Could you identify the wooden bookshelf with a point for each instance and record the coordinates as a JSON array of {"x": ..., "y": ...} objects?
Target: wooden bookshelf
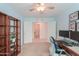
[{"x": 10, "y": 43}]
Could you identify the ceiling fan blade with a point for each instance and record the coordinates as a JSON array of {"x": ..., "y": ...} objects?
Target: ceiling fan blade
[
  {"x": 32, "y": 9},
  {"x": 50, "y": 7},
  {"x": 37, "y": 4}
]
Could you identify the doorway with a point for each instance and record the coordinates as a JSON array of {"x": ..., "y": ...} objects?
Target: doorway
[{"x": 40, "y": 31}]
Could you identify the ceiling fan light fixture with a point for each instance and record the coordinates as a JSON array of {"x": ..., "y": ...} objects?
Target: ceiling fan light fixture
[
  {"x": 41, "y": 8},
  {"x": 42, "y": 4}
]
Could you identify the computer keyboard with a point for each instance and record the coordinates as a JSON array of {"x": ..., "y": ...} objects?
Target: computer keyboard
[{"x": 70, "y": 43}]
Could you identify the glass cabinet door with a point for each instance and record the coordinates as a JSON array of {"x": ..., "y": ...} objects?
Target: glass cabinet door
[
  {"x": 12, "y": 35},
  {"x": 12, "y": 21}
]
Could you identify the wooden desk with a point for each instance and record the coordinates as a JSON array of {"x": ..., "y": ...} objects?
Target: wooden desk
[{"x": 73, "y": 51}]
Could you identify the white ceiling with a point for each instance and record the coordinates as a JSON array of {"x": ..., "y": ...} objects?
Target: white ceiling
[{"x": 23, "y": 9}]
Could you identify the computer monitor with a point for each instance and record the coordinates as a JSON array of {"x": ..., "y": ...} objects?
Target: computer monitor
[
  {"x": 74, "y": 35},
  {"x": 64, "y": 33}
]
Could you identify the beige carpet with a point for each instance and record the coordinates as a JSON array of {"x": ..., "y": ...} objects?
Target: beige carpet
[{"x": 35, "y": 49}]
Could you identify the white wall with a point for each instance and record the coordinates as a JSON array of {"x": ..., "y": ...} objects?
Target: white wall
[
  {"x": 63, "y": 18},
  {"x": 52, "y": 29},
  {"x": 28, "y": 28},
  {"x": 27, "y": 31}
]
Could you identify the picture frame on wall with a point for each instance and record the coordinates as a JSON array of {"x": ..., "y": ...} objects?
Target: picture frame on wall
[
  {"x": 77, "y": 26},
  {"x": 72, "y": 26},
  {"x": 74, "y": 16}
]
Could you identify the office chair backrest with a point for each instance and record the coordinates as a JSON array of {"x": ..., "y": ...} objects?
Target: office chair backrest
[{"x": 55, "y": 43}]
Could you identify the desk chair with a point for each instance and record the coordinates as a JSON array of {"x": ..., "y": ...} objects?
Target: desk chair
[{"x": 57, "y": 49}]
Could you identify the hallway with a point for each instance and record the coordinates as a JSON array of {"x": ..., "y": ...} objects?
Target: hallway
[{"x": 35, "y": 49}]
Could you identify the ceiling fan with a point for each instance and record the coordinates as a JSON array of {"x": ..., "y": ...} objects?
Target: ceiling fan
[{"x": 41, "y": 7}]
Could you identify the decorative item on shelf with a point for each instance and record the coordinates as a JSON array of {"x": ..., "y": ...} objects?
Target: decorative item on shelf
[{"x": 12, "y": 37}]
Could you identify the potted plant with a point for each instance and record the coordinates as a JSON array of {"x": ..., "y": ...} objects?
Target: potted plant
[{"x": 12, "y": 37}]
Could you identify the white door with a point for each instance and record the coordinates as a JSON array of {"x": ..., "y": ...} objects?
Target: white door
[{"x": 40, "y": 32}]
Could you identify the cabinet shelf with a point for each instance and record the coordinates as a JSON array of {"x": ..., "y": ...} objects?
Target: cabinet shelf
[
  {"x": 2, "y": 25},
  {"x": 2, "y": 36},
  {"x": 1, "y": 48},
  {"x": 12, "y": 26}
]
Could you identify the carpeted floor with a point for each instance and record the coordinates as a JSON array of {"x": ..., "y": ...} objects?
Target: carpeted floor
[{"x": 35, "y": 49}]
